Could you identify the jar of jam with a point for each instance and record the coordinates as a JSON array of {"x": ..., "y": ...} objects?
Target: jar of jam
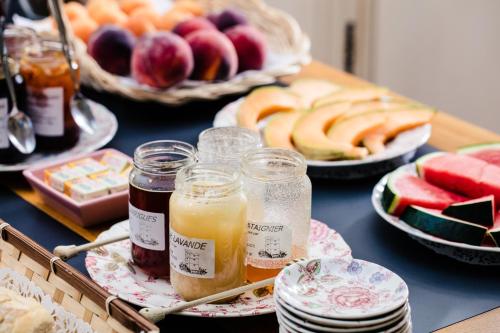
[
  {"x": 8, "y": 153},
  {"x": 152, "y": 182},
  {"x": 208, "y": 213},
  {"x": 279, "y": 209},
  {"x": 50, "y": 90}
]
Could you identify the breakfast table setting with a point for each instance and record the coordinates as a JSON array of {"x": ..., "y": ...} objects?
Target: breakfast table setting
[{"x": 373, "y": 236}]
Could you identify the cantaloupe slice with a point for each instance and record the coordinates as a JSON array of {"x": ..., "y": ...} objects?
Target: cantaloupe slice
[
  {"x": 355, "y": 95},
  {"x": 352, "y": 130},
  {"x": 398, "y": 120},
  {"x": 310, "y": 89},
  {"x": 263, "y": 102},
  {"x": 278, "y": 131},
  {"x": 368, "y": 106},
  {"x": 309, "y": 135}
]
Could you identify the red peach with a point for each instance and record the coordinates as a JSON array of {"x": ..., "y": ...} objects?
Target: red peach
[
  {"x": 196, "y": 23},
  {"x": 250, "y": 45}
]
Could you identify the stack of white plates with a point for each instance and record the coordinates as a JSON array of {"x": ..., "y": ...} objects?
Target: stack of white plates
[{"x": 331, "y": 295}]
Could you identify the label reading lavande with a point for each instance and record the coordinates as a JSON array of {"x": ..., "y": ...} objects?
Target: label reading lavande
[
  {"x": 4, "y": 117},
  {"x": 147, "y": 229},
  {"x": 269, "y": 245},
  {"x": 192, "y": 256},
  {"x": 46, "y": 109}
]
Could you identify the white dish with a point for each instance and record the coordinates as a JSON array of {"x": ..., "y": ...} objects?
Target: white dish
[
  {"x": 473, "y": 254},
  {"x": 111, "y": 268},
  {"x": 334, "y": 288},
  {"x": 106, "y": 127}
]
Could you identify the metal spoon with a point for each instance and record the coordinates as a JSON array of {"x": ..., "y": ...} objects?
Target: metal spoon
[
  {"x": 20, "y": 128},
  {"x": 80, "y": 108}
]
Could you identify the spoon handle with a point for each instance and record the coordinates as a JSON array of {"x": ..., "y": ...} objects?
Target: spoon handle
[
  {"x": 5, "y": 65},
  {"x": 66, "y": 252}
]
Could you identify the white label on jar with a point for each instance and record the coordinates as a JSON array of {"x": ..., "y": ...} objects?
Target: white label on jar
[
  {"x": 147, "y": 229},
  {"x": 192, "y": 256},
  {"x": 269, "y": 245},
  {"x": 4, "y": 117},
  {"x": 46, "y": 109}
]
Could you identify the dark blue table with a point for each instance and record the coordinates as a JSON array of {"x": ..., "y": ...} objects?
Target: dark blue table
[{"x": 442, "y": 291}]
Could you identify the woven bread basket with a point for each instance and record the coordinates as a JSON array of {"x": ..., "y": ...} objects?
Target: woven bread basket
[
  {"x": 68, "y": 287},
  {"x": 284, "y": 37}
]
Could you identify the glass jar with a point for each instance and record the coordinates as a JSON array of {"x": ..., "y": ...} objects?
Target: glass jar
[
  {"x": 279, "y": 209},
  {"x": 50, "y": 90},
  {"x": 18, "y": 39},
  {"x": 226, "y": 145},
  {"x": 208, "y": 212},
  {"x": 8, "y": 153},
  {"x": 152, "y": 181}
]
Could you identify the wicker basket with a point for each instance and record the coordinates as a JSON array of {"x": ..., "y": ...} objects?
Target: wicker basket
[
  {"x": 284, "y": 36},
  {"x": 68, "y": 287}
]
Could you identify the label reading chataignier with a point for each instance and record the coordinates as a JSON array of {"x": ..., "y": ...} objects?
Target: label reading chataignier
[
  {"x": 46, "y": 109},
  {"x": 269, "y": 245},
  {"x": 4, "y": 117},
  {"x": 147, "y": 229},
  {"x": 192, "y": 256}
]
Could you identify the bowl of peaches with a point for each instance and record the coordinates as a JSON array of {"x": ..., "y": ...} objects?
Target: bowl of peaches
[{"x": 177, "y": 51}]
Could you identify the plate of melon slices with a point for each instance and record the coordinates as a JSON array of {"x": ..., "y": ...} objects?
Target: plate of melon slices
[
  {"x": 344, "y": 133},
  {"x": 448, "y": 202}
]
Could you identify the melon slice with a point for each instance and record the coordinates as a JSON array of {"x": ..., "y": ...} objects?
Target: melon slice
[
  {"x": 488, "y": 152},
  {"x": 461, "y": 174},
  {"x": 433, "y": 222},
  {"x": 278, "y": 131},
  {"x": 353, "y": 129},
  {"x": 354, "y": 95},
  {"x": 358, "y": 108},
  {"x": 398, "y": 121},
  {"x": 404, "y": 189},
  {"x": 309, "y": 135},
  {"x": 310, "y": 89},
  {"x": 263, "y": 102},
  {"x": 480, "y": 211}
]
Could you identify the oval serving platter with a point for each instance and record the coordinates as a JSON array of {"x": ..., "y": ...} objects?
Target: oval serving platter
[{"x": 399, "y": 151}]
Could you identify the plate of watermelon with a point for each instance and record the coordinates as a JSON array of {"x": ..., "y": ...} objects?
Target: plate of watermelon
[{"x": 448, "y": 202}]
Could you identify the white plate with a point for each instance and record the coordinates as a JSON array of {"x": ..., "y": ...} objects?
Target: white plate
[
  {"x": 111, "y": 268},
  {"x": 337, "y": 289},
  {"x": 107, "y": 125},
  {"x": 338, "y": 323},
  {"x": 473, "y": 254},
  {"x": 399, "y": 151}
]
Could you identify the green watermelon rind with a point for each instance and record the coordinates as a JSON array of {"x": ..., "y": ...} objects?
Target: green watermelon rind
[
  {"x": 476, "y": 211},
  {"x": 420, "y": 162},
  {"x": 495, "y": 235},
  {"x": 390, "y": 197},
  {"x": 478, "y": 147},
  {"x": 445, "y": 227}
]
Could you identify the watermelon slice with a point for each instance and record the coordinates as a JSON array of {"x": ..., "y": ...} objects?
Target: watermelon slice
[
  {"x": 480, "y": 211},
  {"x": 404, "y": 189},
  {"x": 494, "y": 232},
  {"x": 461, "y": 174},
  {"x": 433, "y": 222},
  {"x": 488, "y": 152}
]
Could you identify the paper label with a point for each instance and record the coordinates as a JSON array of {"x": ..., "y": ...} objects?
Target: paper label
[
  {"x": 147, "y": 229},
  {"x": 46, "y": 109},
  {"x": 4, "y": 118},
  {"x": 192, "y": 256},
  {"x": 269, "y": 245}
]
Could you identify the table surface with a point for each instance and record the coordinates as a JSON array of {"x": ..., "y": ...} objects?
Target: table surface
[{"x": 442, "y": 291}]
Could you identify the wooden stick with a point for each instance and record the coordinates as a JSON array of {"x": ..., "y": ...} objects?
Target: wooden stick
[{"x": 68, "y": 251}]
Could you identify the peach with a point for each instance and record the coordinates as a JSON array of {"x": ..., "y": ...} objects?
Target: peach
[
  {"x": 196, "y": 23},
  {"x": 161, "y": 59},
  {"x": 128, "y": 6},
  {"x": 228, "y": 18},
  {"x": 111, "y": 46},
  {"x": 171, "y": 18},
  {"x": 107, "y": 12},
  {"x": 83, "y": 27},
  {"x": 250, "y": 45},
  {"x": 214, "y": 55},
  {"x": 75, "y": 10},
  {"x": 142, "y": 21},
  {"x": 189, "y": 6}
]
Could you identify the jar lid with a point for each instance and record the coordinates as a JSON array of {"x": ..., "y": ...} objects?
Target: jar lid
[{"x": 273, "y": 164}]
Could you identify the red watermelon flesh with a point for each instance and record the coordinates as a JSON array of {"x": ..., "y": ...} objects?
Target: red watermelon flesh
[{"x": 488, "y": 152}]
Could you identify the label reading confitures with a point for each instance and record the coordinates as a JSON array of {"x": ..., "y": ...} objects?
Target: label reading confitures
[
  {"x": 46, "y": 109},
  {"x": 147, "y": 229},
  {"x": 4, "y": 117},
  {"x": 269, "y": 245},
  {"x": 192, "y": 256}
]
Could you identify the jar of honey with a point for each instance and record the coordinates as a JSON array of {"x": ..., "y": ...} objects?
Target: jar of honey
[
  {"x": 279, "y": 209},
  {"x": 50, "y": 90},
  {"x": 208, "y": 213},
  {"x": 152, "y": 182}
]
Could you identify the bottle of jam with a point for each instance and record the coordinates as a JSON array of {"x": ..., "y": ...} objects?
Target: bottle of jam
[
  {"x": 152, "y": 182},
  {"x": 49, "y": 94}
]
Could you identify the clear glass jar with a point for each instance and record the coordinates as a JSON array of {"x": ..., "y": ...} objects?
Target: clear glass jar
[
  {"x": 279, "y": 209},
  {"x": 152, "y": 181},
  {"x": 208, "y": 213},
  {"x": 226, "y": 145},
  {"x": 18, "y": 39},
  {"x": 50, "y": 90}
]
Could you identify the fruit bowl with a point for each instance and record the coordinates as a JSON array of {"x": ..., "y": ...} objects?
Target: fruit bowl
[{"x": 471, "y": 254}]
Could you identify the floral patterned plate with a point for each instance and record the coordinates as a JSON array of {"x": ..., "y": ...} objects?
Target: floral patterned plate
[
  {"x": 111, "y": 268},
  {"x": 338, "y": 289}
]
